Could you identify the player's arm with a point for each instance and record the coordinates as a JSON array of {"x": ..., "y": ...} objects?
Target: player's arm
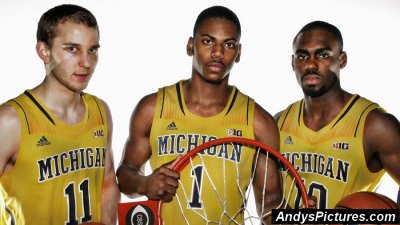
[
  {"x": 382, "y": 143},
  {"x": 266, "y": 131},
  {"x": 132, "y": 181},
  {"x": 10, "y": 134},
  {"x": 110, "y": 192}
]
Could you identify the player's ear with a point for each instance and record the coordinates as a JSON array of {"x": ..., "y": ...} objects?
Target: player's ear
[
  {"x": 43, "y": 51},
  {"x": 237, "y": 59},
  {"x": 190, "y": 47},
  {"x": 342, "y": 59},
  {"x": 292, "y": 62}
]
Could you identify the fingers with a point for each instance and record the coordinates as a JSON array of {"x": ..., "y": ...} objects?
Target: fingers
[
  {"x": 173, "y": 162},
  {"x": 162, "y": 184},
  {"x": 167, "y": 187},
  {"x": 167, "y": 171},
  {"x": 312, "y": 202},
  {"x": 169, "y": 177}
]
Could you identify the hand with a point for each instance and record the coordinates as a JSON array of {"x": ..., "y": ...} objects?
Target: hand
[
  {"x": 312, "y": 202},
  {"x": 162, "y": 183}
]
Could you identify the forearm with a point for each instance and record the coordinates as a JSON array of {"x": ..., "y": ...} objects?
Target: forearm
[
  {"x": 110, "y": 198},
  {"x": 264, "y": 209},
  {"x": 131, "y": 181}
]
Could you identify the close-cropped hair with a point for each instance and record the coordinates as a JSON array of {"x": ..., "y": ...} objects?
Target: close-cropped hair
[
  {"x": 47, "y": 25},
  {"x": 322, "y": 25},
  {"x": 216, "y": 12}
]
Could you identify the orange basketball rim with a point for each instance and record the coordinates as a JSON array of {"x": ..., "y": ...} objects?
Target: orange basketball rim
[{"x": 150, "y": 212}]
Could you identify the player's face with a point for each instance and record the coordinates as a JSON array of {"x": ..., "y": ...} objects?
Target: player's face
[
  {"x": 215, "y": 49},
  {"x": 73, "y": 55},
  {"x": 317, "y": 60}
]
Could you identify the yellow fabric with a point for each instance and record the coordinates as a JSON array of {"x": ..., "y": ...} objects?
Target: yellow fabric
[
  {"x": 330, "y": 161},
  {"x": 175, "y": 130},
  {"x": 10, "y": 210},
  {"x": 58, "y": 175}
]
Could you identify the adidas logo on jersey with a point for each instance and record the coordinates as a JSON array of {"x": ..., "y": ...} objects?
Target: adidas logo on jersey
[
  {"x": 42, "y": 141},
  {"x": 172, "y": 126},
  {"x": 289, "y": 140}
]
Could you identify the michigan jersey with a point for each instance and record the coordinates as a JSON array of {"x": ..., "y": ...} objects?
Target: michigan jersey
[
  {"x": 58, "y": 175},
  {"x": 330, "y": 161},
  {"x": 213, "y": 185}
]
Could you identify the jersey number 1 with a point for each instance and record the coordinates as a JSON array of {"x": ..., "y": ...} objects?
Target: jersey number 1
[
  {"x": 197, "y": 174},
  {"x": 69, "y": 193}
]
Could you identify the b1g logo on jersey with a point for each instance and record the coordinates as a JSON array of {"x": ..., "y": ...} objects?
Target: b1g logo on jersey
[
  {"x": 98, "y": 133},
  {"x": 234, "y": 132},
  {"x": 340, "y": 146},
  {"x": 139, "y": 215}
]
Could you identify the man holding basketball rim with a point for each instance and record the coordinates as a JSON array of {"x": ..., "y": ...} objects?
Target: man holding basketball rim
[
  {"x": 206, "y": 104},
  {"x": 340, "y": 143}
]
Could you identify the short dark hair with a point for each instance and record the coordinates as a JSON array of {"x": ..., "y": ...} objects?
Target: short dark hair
[
  {"x": 323, "y": 26},
  {"x": 47, "y": 25},
  {"x": 216, "y": 12}
]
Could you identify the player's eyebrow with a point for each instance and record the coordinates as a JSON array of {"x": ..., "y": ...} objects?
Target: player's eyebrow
[
  {"x": 323, "y": 50},
  {"x": 78, "y": 45},
  {"x": 71, "y": 44},
  {"x": 319, "y": 50},
  {"x": 95, "y": 46},
  {"x": 301, "y": 51},
  {"x": 212, "y": 37}
]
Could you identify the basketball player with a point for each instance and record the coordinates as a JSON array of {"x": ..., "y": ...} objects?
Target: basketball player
[
  {"x": 339, "y": 142},
  {"x": 55, "y": 154},
  {"x": 202, "y": 108}
]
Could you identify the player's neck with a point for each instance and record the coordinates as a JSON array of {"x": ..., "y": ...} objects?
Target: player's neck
[
  {"x": 197, "y": 88},
  {"x": 66, "y": 105},
  {"x": 320, "y": 111},
  {"x": 204, "y": 98}
]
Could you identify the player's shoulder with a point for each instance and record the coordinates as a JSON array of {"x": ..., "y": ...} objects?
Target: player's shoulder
[
  {"x": 9, "y": 118},
  {"x": 262, "y": 115},
  {"x": 380, "y": 124},
  {"x": 381, "y": 132},
  {"x": 148, "y": 100},
  {"x": 145, "y": 108},
  {"x": 237, "y": 91},
  {"x": 379, "y": 117},
  {"x": 95, "y": 100},
  {"x": 91, "y": 97},
  {"x": 294, "y": 105},
  {"x": 6, "y": 110}
]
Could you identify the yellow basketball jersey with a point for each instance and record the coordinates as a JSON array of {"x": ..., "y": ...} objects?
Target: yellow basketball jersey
[
  {"x": 175, "y": 130},
  {"x": 330, "y": 161},
  {"x": 58, "y": 175}
]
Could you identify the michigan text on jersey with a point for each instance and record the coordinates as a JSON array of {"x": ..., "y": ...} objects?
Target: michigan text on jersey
[
  {"x": 327, "y": 166},
  {"x": 182, "y": 143},
  {"x": 70, "y": 161}
]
